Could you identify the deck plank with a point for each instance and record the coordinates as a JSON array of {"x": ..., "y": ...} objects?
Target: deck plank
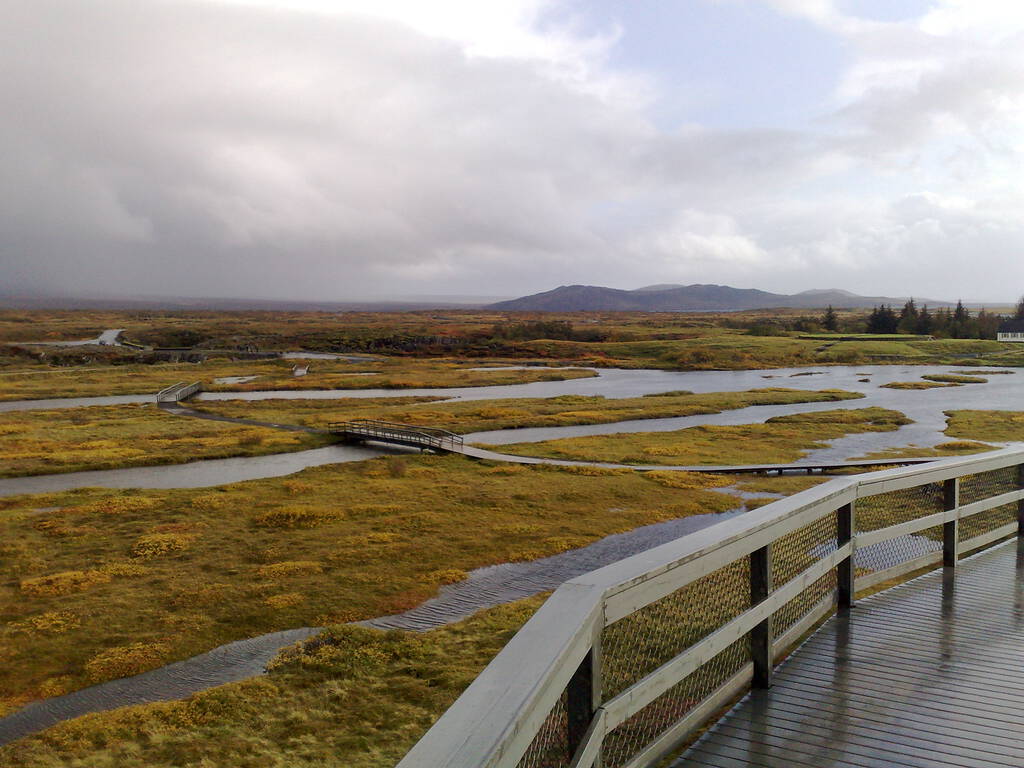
[{"x": 929, "y": 673}]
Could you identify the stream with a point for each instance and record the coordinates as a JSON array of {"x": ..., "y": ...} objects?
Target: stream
[
  {"x": 924, "y": 407},
  {"x": 493, "y": 585}
]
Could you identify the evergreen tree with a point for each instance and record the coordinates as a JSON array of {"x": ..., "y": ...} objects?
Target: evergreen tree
[
  {"x": 883, "y": 320},
  {"x": 925, "y": 323},
  {"x": 960, "y": 314},
  {"x": 830, "y": 321},
  {"x": 1019, "y": 314},
  {"x": 908, "y": 317}
]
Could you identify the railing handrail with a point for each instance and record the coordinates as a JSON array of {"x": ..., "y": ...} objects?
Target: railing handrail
[{"x": 495, "y": 719}]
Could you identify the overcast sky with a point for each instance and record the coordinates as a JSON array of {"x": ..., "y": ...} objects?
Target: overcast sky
[{"x": 339, "y": 149}]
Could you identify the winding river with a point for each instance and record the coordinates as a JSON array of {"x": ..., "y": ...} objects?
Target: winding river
[
  {"x": 924, "y": 407},
  {"x": 496, "y": 584}
]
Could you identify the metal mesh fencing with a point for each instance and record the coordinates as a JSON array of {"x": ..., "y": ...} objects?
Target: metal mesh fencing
[
  {"x": 893, "y": 508},
  {"x": 982, "y": 523},
  {"x": 633, "y": 735},
  {"x": 550, "y": 747},
  {"x": 985, "y": 485},
  {"x": 788, "y": 615},
  {"x": 793, "y": 554},
  {"x": 638, "y": 644}
]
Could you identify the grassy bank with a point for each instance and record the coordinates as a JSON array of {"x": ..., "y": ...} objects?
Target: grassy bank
[
  {"x": 997, "y": 426},
  {"x": 354, "y": 697},
  {"x": 99, "y": 584},
  {"x": 116, "y": 436},
  {"x": 477, "y": 415},
  {"x": 34, "y": 381},
  {"x": 781, "y": 439}
]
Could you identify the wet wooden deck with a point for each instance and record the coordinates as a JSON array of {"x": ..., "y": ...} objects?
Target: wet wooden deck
[{"x": 929, "y": 674}]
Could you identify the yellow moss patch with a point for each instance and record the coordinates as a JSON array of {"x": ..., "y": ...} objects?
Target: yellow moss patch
[
  {"x": 63, "y": 583},
  {"x": 689, "y": 481},
  {"x": 124, "y": 569},
  {"x": 297, "y": 517},
  {"x": 49, "y": 623},
  {"x": 55, "y": 686},
  {"x": 286, "y": 600},
  {"x": 125, "y": 661},
  {"x": 159, "y": 544},
  {"x": 117, "y": 505},
  {"x": 289, "y": 568},
  {"x": 448, "y": 576}
]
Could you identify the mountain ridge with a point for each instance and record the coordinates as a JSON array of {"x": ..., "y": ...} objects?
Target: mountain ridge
[{"x": 691, "y": 298}]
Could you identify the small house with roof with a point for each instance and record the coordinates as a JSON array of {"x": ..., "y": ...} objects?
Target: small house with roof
[{"x": 1011, "y": 330}]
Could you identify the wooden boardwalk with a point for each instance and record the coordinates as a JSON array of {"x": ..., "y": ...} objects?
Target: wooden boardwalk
[{"x": 929, "y": 674}]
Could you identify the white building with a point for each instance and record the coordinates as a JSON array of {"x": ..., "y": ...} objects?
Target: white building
[{"x": 1011, "y": 330}]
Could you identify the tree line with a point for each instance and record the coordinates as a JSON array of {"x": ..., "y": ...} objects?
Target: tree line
[{"x": 956, "y": 323}]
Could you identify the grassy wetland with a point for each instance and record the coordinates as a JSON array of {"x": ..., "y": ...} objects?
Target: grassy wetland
[
  {"x": 97, "y": 585},
  {"x": 780, "y": 440},
  {"x": 479, "y": 415},
  {"x": 101, "y": 584},
  {"x": 109, "y": 437}
]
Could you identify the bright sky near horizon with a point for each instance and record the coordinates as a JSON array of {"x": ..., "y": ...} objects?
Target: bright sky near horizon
[{"x": 348, "y": 149}]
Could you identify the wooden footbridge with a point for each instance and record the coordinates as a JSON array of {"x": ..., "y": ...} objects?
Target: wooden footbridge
[
  {"x": 436, "y": 439},
  {"x": 430, "y": 438},
  {"x": 623, "y": 667}
]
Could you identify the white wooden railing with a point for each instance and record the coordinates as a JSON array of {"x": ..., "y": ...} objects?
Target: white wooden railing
[
  {"x": 620, "y": 666},
  {"x": 178, "y": 392}
]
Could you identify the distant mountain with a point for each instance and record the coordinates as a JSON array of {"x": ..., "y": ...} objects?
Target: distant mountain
[{"x": 690, "y": 298}]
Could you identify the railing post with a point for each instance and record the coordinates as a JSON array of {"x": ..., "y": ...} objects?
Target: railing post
[
  {"x": 761, "y": 635},
  {"x": 583, "y": 696},
  {"x": 1020, "y": 504},
  {"x": 845, "y": 572},
  {"x": 950, "y": 533}
]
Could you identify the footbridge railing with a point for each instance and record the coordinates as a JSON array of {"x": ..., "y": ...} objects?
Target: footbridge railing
[
  {"x": 178, "y": 392},
  {"x": 620, "y": 666},
  {"x": 400, "y": 434}
]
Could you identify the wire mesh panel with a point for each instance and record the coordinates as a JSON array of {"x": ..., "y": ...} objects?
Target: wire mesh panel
[
  {"x": 982, "y": 523},
  {"x": 793, "y": 554},
  {"x": 638, "y": 644},
  {"x": 633, "y": 735},
  {"x": 550, "y": 747},
  {"x": 893, "y": 508},
  {"x": 985, "y": 485}
]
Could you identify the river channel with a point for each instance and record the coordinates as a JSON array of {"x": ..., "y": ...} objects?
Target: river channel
[
  {"x": 501, "y": 583},
  {"x": 925, "y": 407}
]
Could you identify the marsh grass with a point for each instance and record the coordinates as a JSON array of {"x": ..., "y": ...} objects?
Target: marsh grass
[
  {"x": 950, "y": 378},
  {"x": 781, "y": 439},
  {"x": 951, "y": 448},
  {"x": 351, "y": 696},
  {"x": 997, "y": 426},
  {"x": 473, "y": 416},
  {"x": 28, "y": 382},
  {"x": 114, "y": 436},
  {"x": 917, "y": 385},
  {"x": 183, "y": 571}
]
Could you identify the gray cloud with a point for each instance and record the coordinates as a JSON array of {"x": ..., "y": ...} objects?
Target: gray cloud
[{"x": 192, "y": 148}]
